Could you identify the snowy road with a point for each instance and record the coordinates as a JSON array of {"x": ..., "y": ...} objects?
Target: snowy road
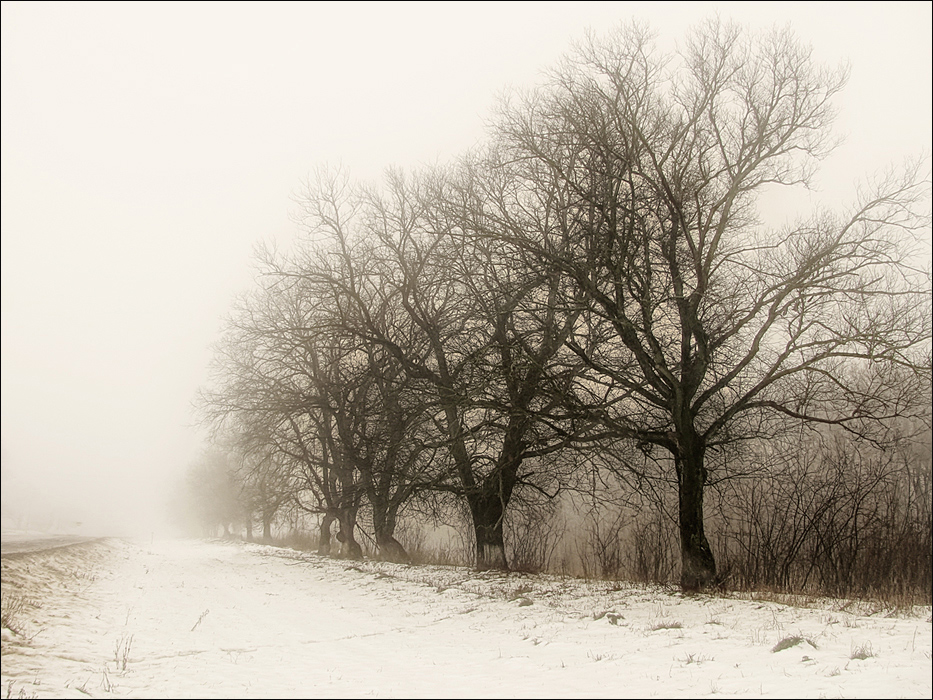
[
  {"x": 208, "y": 619},
  {"x": 23, "y": 544}
]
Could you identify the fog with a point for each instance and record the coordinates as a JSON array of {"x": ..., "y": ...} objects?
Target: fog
[{"x": 147, "y": 148}]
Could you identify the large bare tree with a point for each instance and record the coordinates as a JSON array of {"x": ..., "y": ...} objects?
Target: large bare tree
[{"x": 700, "y": 324}]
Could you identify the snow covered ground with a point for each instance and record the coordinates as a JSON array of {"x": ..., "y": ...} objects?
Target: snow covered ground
[{"x": 225, "y": 619}]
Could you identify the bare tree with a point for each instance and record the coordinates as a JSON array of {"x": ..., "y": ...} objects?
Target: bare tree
[
  {"x": 270, "y": 382},
  {"x": 267, "y": 483},
  {"x": 213, "y": 494},
  {"x": 395, "y": 445},
  {"x": 333, "y": 420},
  {"x": 701, "y": 326},
  {"x": 406, "y": 274}
]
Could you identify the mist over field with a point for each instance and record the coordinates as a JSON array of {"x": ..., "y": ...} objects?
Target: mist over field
[{"x": 147, "y": 149}]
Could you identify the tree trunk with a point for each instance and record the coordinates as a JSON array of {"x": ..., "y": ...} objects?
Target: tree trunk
[
  {"x": 349, "y": 547},
  {"x": 487, "y": 512},
  {"x": 267, "y": 526},
  {"x": 390, "y": 548},
  {"x": 488, "y": 506},
  {"x": 698, "y": 567},
  {"x": 249, "y": 529},
  {"x": 323, "y": 543}
]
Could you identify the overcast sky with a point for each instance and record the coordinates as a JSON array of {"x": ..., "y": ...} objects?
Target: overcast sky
[{"x": 146, "y": 148}]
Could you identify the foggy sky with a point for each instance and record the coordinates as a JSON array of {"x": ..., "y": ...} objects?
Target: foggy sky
[{"x": 146, "y": 148}]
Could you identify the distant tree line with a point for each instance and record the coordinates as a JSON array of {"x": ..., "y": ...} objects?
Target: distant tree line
[{"x": 583, "y": 321}]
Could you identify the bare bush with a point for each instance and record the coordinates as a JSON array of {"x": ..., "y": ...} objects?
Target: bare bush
[
  {"x": 12, "y": 612},
  {"x": 839, "y": 518},
  {"x": 532, "y": 530},
  {"x": 604, "y": 542},
  {"x": 652, "y": 553}
]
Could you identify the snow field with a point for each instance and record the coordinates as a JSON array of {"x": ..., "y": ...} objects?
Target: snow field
[{"x": 227, "y": 619}]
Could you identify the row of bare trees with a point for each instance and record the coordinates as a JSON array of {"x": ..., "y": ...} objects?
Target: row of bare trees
[{"x": 589, "y": 293}]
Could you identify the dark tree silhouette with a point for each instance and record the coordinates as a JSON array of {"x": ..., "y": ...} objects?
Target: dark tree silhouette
[{"x": 699, "y": 322}]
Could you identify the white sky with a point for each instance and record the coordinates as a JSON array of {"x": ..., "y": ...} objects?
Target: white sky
[{"x": 147, "y": 147}]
